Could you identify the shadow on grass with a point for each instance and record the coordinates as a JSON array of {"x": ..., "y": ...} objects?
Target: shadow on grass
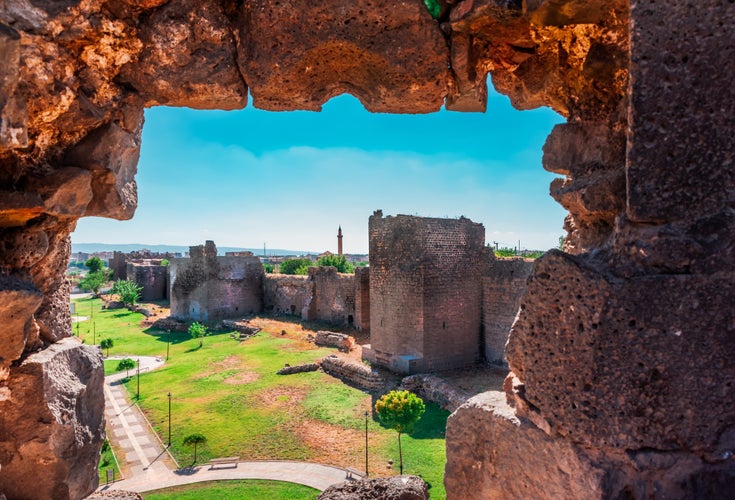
[
  {"x": 433, "y": 423},
  {"x": 164, "y": 336}
]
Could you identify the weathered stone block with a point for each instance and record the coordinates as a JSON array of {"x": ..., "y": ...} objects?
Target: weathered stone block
[
  {"x": 111, "y": 154},
  {"x": 18, "y": 302},
  {"x": 635, "y": 363},
  {"x": 390, "y": 55},
  {"x": 52, "y": 421},
  {"x": 190, "y": 58},
  {"x": 682, "y": 111},
  {"x": 382, "y": 488},
  {"x": 495, "y": 453}
]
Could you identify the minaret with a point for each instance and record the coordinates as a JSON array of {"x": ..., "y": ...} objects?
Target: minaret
[{"x": 339, "y": 240}]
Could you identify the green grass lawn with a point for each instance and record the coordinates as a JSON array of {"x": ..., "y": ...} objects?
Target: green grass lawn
[
  {"x": 230, "y": 392},
  {"x": 107, "y": 461},
  {"x": 232, "y": 490}
]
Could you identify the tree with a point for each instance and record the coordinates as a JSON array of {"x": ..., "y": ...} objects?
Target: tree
[
  {"x": 128, "y": 291},
  {"x": 268, "y": 267},
  {"x": 434, "y": 7},
  {"x": 195, "y": 439},
  {"x": 126, "y": 364},
  {"x": 94, "y": 264},
  {"x": 165, "y": 262},
  {"x": 198, "y": 331},
  {"x": 294, "y": 266},
  {"x": 338, "y": 261},
  {"x": 400, "y": 410},
  {"x": 93, "y": 281},
  {"x": 106, "y": 344}
]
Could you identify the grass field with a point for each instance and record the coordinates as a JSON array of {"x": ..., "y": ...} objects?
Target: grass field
[
  {"x": 251, "y": 489},
  {"x": 230, "y": 392}
]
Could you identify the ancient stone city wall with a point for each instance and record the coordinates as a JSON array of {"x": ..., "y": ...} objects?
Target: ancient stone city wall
[
  {"x": 503, "y": 286},
  {"x": 425, "y": 290},
  {"x": 286, "y": 294},
  {"x": 333, "y": 296},
  {"x": 153, "y": 278},
  {"x": 362, "y": 298},
  {"x": 206, "y": 287}
]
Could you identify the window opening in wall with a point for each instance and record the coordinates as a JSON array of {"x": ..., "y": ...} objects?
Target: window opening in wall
[{"x": 249, "y": 177}]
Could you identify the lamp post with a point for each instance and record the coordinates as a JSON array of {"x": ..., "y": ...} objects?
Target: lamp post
[
  {"x": 168, "y": 343},
  {"x": 367, "y": 474},
  {"x": 169, "y": 420},
  {"x": 138, "y": 395}
]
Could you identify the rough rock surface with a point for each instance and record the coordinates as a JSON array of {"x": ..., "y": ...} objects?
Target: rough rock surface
[
  {"x": 592, "y": 355},
  {"x": 390, "y": 55},
  {"x": 384, "y": 488},
  {"x": 487, "y": 435},
  {"x": 115, "y": 494},
  {"x": 51, "y": 416}
]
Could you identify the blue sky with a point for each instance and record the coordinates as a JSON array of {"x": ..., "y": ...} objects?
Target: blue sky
[{"x": 288, "y": 179}]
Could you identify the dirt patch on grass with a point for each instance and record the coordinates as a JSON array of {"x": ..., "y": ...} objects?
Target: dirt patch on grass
[
  {"x": 241, "y": 378},
  {"x": 283, "y": 397},
  {"x": 231, "y": 362},
  {"x": 333, "y": 444}
]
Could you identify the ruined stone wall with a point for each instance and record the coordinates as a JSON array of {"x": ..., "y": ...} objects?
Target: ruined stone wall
[
  {"x": 362, "y": 298},
  {"x": 285, "y": 294},
  {"x": 425, "y": 292},
  {"x": 333, "y": 297},
  {"x": 206, "y": 287},
  {"x": 353, "y": 372},
  {"x": 119, "y": 266},
  {"x": 323, "y": 295},
  {"x": 153, "y": 278},
  {"x": 502, "y": 288}
]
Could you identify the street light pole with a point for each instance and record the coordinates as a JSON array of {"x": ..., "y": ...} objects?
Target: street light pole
[
  {"x": 367, "y": 474},
  {"x": 169, "y": 420},
  {"x": 138, "y": 395},
  {"x": 168, "y": 343}
]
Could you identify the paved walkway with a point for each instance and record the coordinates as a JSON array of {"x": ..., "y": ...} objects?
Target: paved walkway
[{"x": 150, "y": 467}]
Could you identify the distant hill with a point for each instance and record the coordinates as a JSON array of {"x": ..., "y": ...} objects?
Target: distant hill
[{"x": 130, "y": 247}]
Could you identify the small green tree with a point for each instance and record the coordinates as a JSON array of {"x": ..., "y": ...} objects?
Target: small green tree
[
  {"x": 94, "y": 264},
  {"x": 400, "y": 410},
  {"x": 107, "y": 345},
  {"x": 198, "y": 331},
  {"x": 128, "y": 291},
  {"x": 268, "y": 267},
  {"x": 294, "y": 266},
  {"x": 338, "y": 261},
  {"x": 195, "y": 440},
  {"x": 126, "y": 364},
  {"x": 434, "y": 7},
  {"x": 93, "y": 281}
]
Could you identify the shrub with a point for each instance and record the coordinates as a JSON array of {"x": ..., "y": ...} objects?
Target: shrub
[{"x": 295, "y": 266}]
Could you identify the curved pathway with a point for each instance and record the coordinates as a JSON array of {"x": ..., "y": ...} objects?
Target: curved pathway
[{"x": 150, "y": 466}]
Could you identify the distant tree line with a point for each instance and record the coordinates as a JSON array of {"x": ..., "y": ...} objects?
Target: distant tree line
[{"x": 301, "y": 266}]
